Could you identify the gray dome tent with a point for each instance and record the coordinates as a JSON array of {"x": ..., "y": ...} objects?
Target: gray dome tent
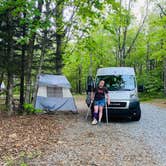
[{"x": 54, "y": 94}]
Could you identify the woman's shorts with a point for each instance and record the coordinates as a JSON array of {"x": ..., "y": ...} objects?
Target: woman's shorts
[{"x": 100, "y": 102}]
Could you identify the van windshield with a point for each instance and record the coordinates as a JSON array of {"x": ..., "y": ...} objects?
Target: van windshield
[{"x": 118, "y": 82}]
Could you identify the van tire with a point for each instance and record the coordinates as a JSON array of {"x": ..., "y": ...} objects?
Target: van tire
[{"x": 137, "y": 116}]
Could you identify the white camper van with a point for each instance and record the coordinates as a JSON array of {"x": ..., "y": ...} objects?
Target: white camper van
[{"x": 122, "y": 87}]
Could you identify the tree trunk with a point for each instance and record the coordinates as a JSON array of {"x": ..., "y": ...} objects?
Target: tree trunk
[
  {"x": 59, "y": 37},
  {"x": 22, "y": 77},
  {"x": 138, "y": 31},
  {"x": 43, "y": 51},
  {"x": 10, "y": 59},
  {"x": 9, "y": 94},
  {"x": 165, "y": 76},
  {"x": 79, "y": 79},
  {"x": 30, "y": 50},
  {"x": 147, "y": 57},
  {"x": 140, "y": 69},
  {"x": 164, "y": 63},
  {"x": 22, "y": 68},
  {"x": 122, "y": 37},
  {"x": 58, "y": 62}
]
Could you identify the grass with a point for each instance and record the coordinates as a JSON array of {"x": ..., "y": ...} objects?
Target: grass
[
  {"x": 79, "y": 96},
  {"x": 151, "y": 96},
  {"x": 22, "y": 159}
]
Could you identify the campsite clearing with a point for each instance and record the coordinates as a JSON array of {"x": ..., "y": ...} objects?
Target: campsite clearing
[{"x": 68, "y": 139}]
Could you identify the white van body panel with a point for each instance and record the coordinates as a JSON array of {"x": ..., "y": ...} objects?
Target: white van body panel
[
  {"x": 115, "y": 71},
  {"x": 123, "y": 95}
]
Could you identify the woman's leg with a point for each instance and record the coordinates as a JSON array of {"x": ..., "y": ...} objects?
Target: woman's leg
[
  {"x": 100, "y": 113},
  {"x": 95, "y": 114}
]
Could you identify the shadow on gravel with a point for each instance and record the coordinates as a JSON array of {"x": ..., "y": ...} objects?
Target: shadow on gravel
[
  {"x": 119, "y": 120},
  {"x": 114, "y": 120}
]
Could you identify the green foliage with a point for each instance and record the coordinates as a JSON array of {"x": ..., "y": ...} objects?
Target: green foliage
[
  {"x": 23, "y": 164},
  {"x": 152, "y": 82},
  {"x": 96, "y": 30},
  {"x": 21, "y": 159},
  {"x": 29, "y": 109},
  {"x": 149, "y": 96}
]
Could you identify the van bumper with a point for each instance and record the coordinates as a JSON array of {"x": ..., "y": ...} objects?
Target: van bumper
[{"x": 133, "y": 108}]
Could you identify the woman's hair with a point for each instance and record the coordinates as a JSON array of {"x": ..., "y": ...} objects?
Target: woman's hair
[{"x": 101, "y": 81}]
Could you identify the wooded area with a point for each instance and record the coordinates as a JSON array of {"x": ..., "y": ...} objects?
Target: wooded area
[{"x": 74, "y": 37}]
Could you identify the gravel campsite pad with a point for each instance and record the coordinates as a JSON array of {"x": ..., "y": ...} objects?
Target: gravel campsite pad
[{"x": 121, "y": 143}]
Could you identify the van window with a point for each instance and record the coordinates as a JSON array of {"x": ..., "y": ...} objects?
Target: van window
[{"x": 118, "y": 82}]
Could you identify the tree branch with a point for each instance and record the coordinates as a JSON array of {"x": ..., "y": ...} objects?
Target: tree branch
[
  {"x": 138, "y": 32},
  {"x": 126, "y": 27},
  {"x": 162, "y": 10}
]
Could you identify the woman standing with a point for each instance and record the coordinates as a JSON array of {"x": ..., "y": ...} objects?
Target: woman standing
[{"x": 98, "y": 95}]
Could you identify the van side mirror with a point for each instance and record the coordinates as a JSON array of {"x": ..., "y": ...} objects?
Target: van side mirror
[{"x": 141, "y": 88}]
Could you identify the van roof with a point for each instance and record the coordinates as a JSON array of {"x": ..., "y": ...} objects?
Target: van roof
[{"x": 116, "y": 71}]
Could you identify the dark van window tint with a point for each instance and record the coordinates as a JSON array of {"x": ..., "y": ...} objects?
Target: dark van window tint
[{"x": 118, "y": 82}]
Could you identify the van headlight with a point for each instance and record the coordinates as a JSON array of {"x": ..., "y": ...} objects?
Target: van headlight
[{"x": 133, "y": 95}]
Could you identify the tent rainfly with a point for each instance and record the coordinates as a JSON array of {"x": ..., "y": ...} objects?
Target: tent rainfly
[{"x": 54, "y": 94}]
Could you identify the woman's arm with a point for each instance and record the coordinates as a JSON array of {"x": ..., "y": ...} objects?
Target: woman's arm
[
  {"x": 92, "y": 96},
  {"x": 108, "y": 99}
]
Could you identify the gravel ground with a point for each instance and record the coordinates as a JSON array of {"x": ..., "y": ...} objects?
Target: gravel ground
[{"x": 120, "y": 143}]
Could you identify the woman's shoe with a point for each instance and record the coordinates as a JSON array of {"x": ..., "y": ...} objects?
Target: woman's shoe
[{"x": 94, "y": 122}]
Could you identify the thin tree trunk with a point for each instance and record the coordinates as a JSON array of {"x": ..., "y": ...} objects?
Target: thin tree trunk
[
  {"x": 165, "y": 76},
  {"x": 140, "y": 69},
  {"x": 164, "y": 63},
  {"x": 147, "y": 57},
  {"x": 43, "y": 51},
  {"x": 9, "y": 94},
  {"x": 10, "y": 56},
  {"x": 29, "y": 69},
  {"x": 30, "y": 50},
  {"x": 22, "y": 68},
  {"x": 22, "y": 78},
  {"x": 76, "y": 85},
  {"x": 79, "y": 79},
  {"x": 135, "y": 68},
  {"x": 58, "y": 62},
  {"x": 59, "y": 37},
  {"x": 125, "y": 30},
  {"x": 138, "y": 32}
]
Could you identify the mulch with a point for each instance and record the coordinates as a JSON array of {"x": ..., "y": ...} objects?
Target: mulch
[{"x": 28, "y": 134}]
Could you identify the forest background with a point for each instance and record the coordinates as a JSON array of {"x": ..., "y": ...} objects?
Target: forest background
[{"x": 75, "y": 38}]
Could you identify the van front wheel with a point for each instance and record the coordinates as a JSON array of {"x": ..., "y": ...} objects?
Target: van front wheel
[{"x": 137, "y": 115}]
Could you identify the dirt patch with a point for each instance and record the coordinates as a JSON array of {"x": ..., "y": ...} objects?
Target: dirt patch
[{"x": 30, "y": 135}]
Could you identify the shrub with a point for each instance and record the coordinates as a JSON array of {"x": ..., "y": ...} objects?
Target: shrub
[
  {"x": 152, "y": 82},
  {"x": 30, "y": 109}
]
